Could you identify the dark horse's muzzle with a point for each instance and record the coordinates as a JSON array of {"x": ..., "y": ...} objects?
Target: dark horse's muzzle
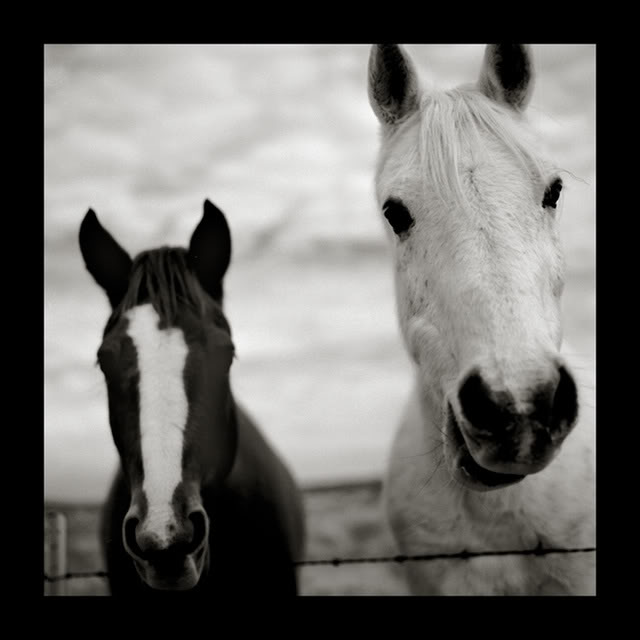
[{"x": 169, "y": 553}]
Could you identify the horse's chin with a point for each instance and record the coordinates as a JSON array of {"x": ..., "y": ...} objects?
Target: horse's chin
[
  {"x": 464, "y": 468},
  {"x": 184, "y": 577}
]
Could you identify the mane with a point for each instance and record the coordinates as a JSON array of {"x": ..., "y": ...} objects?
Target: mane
[
  {"x": 453, "y": 120},
  {"x": 163, "y": 278}
]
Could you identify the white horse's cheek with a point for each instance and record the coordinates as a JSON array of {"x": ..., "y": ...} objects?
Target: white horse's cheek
[{"x": 491, "y": 304}]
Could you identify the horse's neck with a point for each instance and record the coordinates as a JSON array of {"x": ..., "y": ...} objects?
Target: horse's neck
[{"x": 254, "y": 458}]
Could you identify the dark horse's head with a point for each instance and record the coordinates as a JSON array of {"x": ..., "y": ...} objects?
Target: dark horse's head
[{"x": 166, "y": 354}]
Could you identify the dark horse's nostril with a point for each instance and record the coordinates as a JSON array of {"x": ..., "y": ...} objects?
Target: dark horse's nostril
[
  {"x": 146, "y": 547},
  {"x": 199, "y": 521},
  {"x": 479, "y": 406},
  {"x": 130, "y": 539}
]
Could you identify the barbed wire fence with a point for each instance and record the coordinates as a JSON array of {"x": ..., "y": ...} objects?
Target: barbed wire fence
[{"x": 56, "y": 574}]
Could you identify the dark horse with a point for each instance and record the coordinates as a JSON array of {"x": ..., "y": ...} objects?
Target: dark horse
[{"x": 200, "y": 503}]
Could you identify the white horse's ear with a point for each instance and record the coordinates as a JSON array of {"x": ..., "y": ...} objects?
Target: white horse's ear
[
  {"x": 507, "y": 74},
  {"x": 393, "y": 83}
]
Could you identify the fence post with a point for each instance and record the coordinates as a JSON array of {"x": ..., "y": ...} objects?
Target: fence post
[{"x": 56, "y": 552}]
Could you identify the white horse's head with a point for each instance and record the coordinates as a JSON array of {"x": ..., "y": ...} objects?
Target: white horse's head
[{"x": 470, "y": 207}]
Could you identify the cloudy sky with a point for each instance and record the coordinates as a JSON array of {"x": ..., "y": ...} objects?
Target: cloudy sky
[{"x": 282, "y": 139}]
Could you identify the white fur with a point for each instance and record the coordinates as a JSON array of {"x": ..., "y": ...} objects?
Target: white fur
[
  {"x": 430, "y": 513},
  {"x": 163, "y": 413},
  {"x": 478, "y": 283}
]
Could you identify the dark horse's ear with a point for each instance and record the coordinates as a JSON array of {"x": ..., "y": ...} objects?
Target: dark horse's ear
[
  {"x": 507, "y": 74},
  {"x": 210, "y": 249},
  {"x": 393, "y": 83},
  {"x": 105, "y": 259}
]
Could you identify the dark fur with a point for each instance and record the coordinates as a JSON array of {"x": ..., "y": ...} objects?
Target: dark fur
[
  {"x": 255, "y": 511},
  {"x": 256, "y": 533}
]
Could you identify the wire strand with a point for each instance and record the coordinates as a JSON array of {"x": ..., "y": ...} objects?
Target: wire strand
[{"x": 336, "y": 562}]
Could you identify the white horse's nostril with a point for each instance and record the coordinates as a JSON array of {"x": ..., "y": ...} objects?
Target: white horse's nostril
[
  {"x": 564, "y": 410},
  {"x": 485, "y": 410},
  {"x": 552, "y": 404}
]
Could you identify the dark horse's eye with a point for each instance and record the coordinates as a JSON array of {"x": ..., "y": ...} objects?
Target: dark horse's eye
[
  {"x": 552, "y": 194},
  {"x": 398, "y": 216}
]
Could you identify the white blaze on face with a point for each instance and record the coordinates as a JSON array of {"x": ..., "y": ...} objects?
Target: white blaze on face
[{"x": 163, "y": 412}]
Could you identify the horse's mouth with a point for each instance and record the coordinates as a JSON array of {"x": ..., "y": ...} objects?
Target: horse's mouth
[
  {"x": 183, "y": 576},
  {"x": 167, "y": 581},
  {"x": 466, "y": 470}
]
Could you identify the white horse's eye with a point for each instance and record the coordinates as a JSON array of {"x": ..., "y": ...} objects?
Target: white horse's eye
[
  {"x": 398, "y": 216},
  {"x": 552, "y": 194}
]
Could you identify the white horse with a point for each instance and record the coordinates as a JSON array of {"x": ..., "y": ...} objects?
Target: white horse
[{"x": 496, "y": 447}]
